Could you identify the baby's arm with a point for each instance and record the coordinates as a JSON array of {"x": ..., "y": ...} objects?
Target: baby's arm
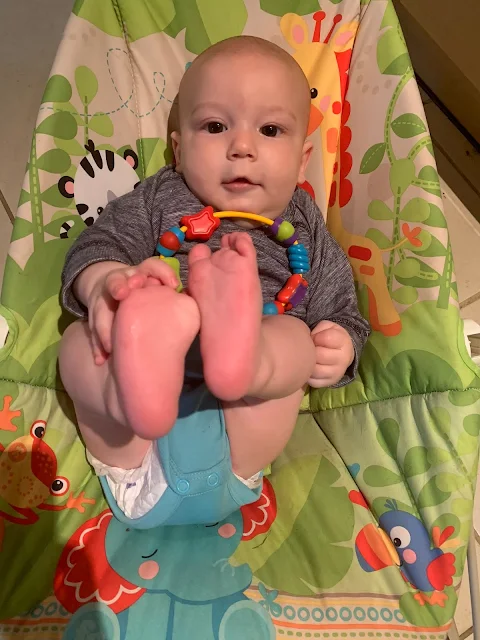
[
  {"x": 99, "y": 269},
  {"x": 339, "y": 331}
]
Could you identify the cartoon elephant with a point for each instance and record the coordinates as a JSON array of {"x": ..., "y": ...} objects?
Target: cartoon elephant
[{"x": 168, "y": 583}]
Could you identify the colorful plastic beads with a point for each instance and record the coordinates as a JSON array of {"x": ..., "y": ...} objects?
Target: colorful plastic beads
[{"x": 201, "y": 225}]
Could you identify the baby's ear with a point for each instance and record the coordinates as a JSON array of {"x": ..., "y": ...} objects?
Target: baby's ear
[
  {"x": 176, "y": 147},
  {"x": 306, "y": 154}
]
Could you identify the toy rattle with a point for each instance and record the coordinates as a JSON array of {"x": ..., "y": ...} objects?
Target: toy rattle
[{"x": 201, "y": 226}]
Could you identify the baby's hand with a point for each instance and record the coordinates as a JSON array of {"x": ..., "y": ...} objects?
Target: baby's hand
[
  {"x": 111, "y": 289},
  {"x": 334, "y": 354}
]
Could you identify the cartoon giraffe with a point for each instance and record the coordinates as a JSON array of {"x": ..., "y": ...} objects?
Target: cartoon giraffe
[{"x": 326, "y": 65}]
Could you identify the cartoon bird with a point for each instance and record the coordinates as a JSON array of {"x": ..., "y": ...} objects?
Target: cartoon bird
[{"x": 402, "y": 539}]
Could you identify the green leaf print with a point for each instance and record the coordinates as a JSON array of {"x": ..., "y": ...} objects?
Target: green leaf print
[
  {"x": 408, "y": 125},
  {"x": 39, "y": 334},
  {"x": 151, "y": 151},
  {"x": 207, "y": 22},
  {"x": 53, "y": 197},
  {"x": 58, "y": 89},
  {"x": 431, "y": 246},
  {"x": 467, "y": 444},
  {"x": 101, "y": 14},
  {"x": 377, "y": 476},
  {"x": 436, "y": 456},
  {"x": 402, "y": 173},
  {"x": 429, "y": 181},
  {"x": 60, "y": 124},
  {"x": 21, "y": 228},
  {"x": 416, "y": 210},
  {"x": 378, "y": 210},
  {"x": 388, "y": 435},
  {"x": 450, "y": 481},
  {"x": 471, "y": 424},
  {"x": 392, "y": 57},
  {"x": 101, "y": 124},
  {"x": 379, "y": 238},
  {"x": 407, "y": 268},
  {"x": 431, "y": 495},
  {"x": 416, "y": 461},
  {"x": 436, "y": 217},
  {"x": 72, "y": 147},
  {"x": 322, "y": 527},
  {"x": 86, "y": 83},
  {"x": 464, "y": 398},
  {"x": 54, "y": 161},
  {"x": 372, "y": 158},
  {"x": 24, "y": 197},
  {"x": 44, "y": 266},
  {"x": 440, "y": 420},
  {"x": 300, "y": 7},
  {"x": 462, "y": 507},
  {"x": 426, "y": 277},
  {"x": 405, "y": 295}
]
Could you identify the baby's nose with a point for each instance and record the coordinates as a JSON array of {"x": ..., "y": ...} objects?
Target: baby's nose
[{"x": 242, "y": 146}]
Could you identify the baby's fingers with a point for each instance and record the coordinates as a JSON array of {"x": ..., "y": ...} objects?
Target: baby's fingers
[
  {"x": 327, "y": 356},
  {"x": 331, "y": 338},
  {"x": 160, "y": 270},
  {"x": 101, "y": 328},
  {"x": 116, "y": 283}
]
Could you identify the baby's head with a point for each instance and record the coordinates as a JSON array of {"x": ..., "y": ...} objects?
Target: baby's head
[{"x": 244, "y": 105}]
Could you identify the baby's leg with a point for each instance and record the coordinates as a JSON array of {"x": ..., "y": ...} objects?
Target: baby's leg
[
  {"x": 134, "y": 395},
  {"x": 243, "y": 353},
  {"x": 258, "y": 430}
]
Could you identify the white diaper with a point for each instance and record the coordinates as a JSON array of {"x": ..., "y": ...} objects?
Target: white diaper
[{"x": 137, "y": 491}]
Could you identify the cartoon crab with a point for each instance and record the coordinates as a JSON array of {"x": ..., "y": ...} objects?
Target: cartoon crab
[{"x": 28, "y": 473}]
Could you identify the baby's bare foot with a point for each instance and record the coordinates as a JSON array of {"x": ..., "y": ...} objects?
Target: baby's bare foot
[
  {"x": 152, "y": 332},
  {"x": 226, "y": 288}
]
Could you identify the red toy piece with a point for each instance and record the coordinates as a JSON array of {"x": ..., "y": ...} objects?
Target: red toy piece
[
  {"x": 201, "y": 225},
  {"x": 293, "y": 292}
]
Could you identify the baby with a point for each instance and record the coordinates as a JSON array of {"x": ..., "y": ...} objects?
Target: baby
[{"x": 177, "y": 438}]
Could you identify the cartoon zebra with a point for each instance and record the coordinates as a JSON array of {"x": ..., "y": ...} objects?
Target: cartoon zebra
[{"x": 101, "y": 177}]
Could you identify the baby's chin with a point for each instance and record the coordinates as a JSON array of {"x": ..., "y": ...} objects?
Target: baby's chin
[{"x": 246, "y": 205}]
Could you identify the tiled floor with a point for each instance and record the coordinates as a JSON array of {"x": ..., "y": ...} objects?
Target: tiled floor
[{"x": 27, "y": 49}]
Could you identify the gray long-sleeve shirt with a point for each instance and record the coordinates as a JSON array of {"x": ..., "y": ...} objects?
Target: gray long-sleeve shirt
[{"x": 129, "y": 227}]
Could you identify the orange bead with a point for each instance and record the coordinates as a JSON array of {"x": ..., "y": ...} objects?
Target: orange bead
[{"x": 170, "y": 241}]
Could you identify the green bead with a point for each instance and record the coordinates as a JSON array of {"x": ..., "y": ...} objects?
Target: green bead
[
  {"x": 285, "y": 231},
  {"x": 175, "y": 264}
]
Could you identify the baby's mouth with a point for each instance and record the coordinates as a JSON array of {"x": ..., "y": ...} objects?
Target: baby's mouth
[
  {"x": 239, "y": 184},
  {"x": 240, "y": 180}
]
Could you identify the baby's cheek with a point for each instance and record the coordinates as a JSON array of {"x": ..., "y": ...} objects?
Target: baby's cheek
[{"x": 148, "y": 570}]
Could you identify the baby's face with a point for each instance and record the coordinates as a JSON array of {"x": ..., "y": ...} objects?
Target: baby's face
[{"x": 242, "y": 144}]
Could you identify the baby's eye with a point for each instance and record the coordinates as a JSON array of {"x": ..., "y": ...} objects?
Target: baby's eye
[
  {"x": 270, "y": 130},
  {"x": 215, "y": 127}
]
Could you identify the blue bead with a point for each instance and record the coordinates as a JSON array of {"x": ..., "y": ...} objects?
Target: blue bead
[
  {"x": 178, "y": 232},
  {"x": 270, "y": 309},
  {"x": 299, "y": 264},
  {"x": 297, "y": 248},
  {"x": 163, "y": 251},
  {"x": 295, "y": 271}
]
